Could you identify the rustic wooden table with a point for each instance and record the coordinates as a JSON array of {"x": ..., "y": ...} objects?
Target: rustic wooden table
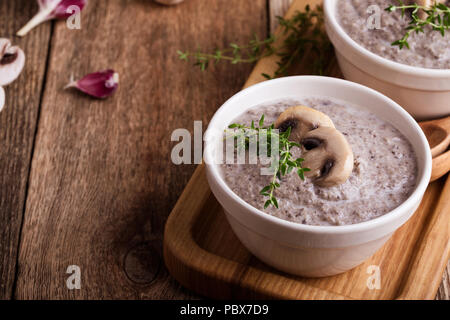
[{"x": 90, "y": 183}]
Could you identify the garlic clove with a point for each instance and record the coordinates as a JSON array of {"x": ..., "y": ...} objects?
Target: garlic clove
[
  {"x": 100, "y": 84},
  {"x": 2, "y": 98},
  {"x": 12, "y": 61},
  {"x": 169, "y": 2},
  {"x": 51, "y": 9},
  {"x": 4, "y": 44},
  {"x": 60, "y": 11}
]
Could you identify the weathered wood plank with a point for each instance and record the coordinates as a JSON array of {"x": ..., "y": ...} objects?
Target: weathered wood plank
[
  {"x": 444, "y": 289},
  {"x": 277, "y": 8},
  {"x": 102, "y": 183},
  {"x": 17, "y": 130}
]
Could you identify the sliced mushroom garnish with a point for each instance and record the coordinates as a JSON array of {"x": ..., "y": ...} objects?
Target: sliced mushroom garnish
[
  {"x": 2, "y": 98},
  {"x": 328, "y": 155},
  {"x": 426, "y": 4},
  {"x": 302, "y": 119},
  {"x": 12, "y": 60}
]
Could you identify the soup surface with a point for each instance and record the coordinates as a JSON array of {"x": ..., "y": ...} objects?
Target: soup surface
[
  {"x": 428, "y": 50},
  {"x": 384, "y": 173}
]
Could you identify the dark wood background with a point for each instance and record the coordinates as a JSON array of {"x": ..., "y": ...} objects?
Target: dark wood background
[{"x": 90, "y": 183}]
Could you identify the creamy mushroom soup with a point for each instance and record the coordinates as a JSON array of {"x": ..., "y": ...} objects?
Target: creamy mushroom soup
[
  {"x": 428, "y": 49},
  {"x": 383, "y": 174}
]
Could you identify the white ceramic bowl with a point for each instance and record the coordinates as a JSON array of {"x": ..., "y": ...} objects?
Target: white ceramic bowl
[
  {"x": 424, "y": 93},
  {"x": 299, "y": 249}
]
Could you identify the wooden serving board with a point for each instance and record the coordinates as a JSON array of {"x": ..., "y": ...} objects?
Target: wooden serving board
[{"x": 203, "y": 254}]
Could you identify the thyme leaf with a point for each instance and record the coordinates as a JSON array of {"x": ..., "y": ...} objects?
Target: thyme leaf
[
  {"x": 304, "y": 31},
  {"x": 286, "y": 162},
  {"x": 437, "y": 17}
]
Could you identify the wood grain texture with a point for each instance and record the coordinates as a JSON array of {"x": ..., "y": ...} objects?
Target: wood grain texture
[
  {"x": 277, "y": 8},
  {"x": 444, "y": 289},
  {"x": 17, "y": 130},
  {"x": 431, "y": 252},
  {"x": 102, "y": 183},
  {"x": 412, "y": 261}
]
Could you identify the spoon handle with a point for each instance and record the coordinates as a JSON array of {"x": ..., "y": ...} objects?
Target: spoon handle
[{"x": 444, "y": 123}]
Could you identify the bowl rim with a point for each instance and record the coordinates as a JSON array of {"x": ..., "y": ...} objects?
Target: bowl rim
[
  {"x": 397, "y": 66},
  {"x": 391, "y": 216}
]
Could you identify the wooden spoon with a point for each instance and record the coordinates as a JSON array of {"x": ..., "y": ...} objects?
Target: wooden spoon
[
  {"x": 438, "y": 135},
  {"x": 441, "y": 165}
]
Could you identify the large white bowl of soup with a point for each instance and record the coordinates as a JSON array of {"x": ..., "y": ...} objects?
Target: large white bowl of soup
[
  {"x": 319, "y": 230},
  {"x": 417, "y": 78}
]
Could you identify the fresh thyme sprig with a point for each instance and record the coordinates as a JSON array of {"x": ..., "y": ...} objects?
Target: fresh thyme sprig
[
  {"x": 304, "y": 31},
  {"x": 437, "y": 17},
  {"x": 285, "y": 163},
  {"x": 252, "y": 52}
]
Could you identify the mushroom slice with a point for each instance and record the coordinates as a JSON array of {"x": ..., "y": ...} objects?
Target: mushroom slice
[
  {"x": 12, "y": 60},
  {"x": 2, "y": 98},
  {"x": 426, "y": 4},
  {"x": 302, "y": 119},
  {"x": 328, "y": 155}
]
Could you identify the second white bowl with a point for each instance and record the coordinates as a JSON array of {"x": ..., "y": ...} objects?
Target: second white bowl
[{"x": 424, "y": 93}]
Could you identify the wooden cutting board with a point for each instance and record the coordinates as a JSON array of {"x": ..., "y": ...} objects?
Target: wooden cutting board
[{"x": 203, "y": 254}]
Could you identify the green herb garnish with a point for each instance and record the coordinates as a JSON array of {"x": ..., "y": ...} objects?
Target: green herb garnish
[
  {"x": 285, "y": 163},
  {"x": 437, "y": 17},
  {"x": 304, "y": 31},
  {"x": 252, "y": 52}
]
